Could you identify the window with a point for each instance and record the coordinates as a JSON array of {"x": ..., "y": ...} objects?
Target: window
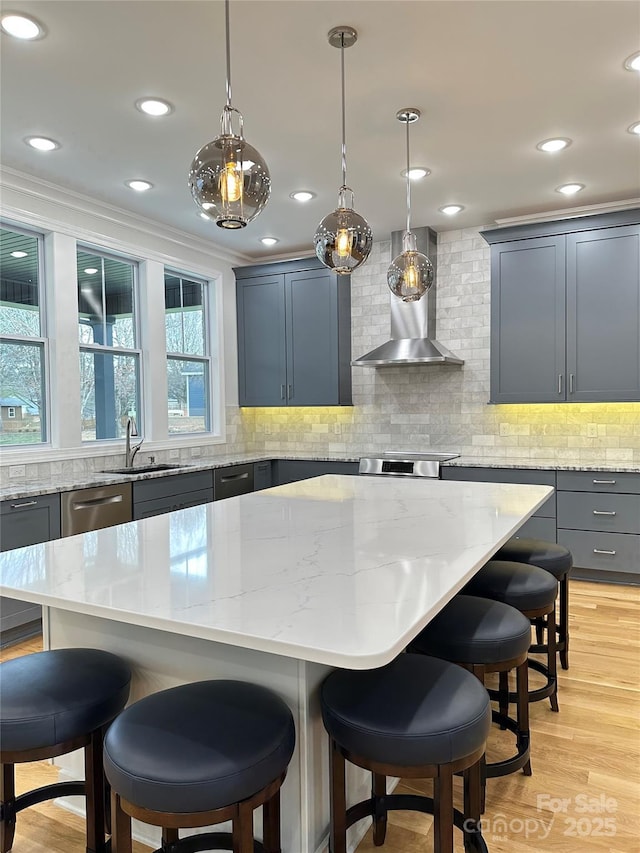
[
  {"x": 109, "y": 354},
  {"x": 22, "y": 341},
  {"x": 188, "y": 354}
]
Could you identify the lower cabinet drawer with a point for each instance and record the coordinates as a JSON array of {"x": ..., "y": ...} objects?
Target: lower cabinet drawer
[
  {"x": 612, "y": 552},
  {"x": 538, "y": 528},
  {"x": 146, "y": 509},
  {"x": 611, "y": 513}
]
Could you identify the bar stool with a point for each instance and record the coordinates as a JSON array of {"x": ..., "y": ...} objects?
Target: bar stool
[
  {"x": 533, "y": 592},
  {"x": 417, "y": 717},
  {"x": 197, "y": 755},
  {"x": 559, "y": 561},
  {"x": 52, "y": 703},
  {"x": 486, "y": 636}
]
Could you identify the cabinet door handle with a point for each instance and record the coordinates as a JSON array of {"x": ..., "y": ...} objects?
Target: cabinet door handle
[
  {"x": 559, "y": 383},
  {"x": 604, "y": 551},
  {"x": 26, "y": 503},
  {"x": 603, "y": 512},
  {"x": 571, "y": 380},
  {"x": 604, "y": 482},
  {"x": 282, "y": 397},
  {"x": 289, "y": 392}
]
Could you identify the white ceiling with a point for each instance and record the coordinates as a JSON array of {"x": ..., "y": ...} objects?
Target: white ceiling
[{"x": 492, "y": 79}]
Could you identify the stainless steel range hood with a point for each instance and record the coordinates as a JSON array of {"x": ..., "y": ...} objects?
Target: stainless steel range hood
[{"x": 413, "y": 324}]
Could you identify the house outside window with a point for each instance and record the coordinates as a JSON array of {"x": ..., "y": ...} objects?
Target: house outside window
[
  {"x": 23, "y": 344},
  {"x": 109, "y": 350},
  {"x": 188, "y": 354}
]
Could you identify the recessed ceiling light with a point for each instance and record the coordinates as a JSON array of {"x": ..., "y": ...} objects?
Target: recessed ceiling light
[
  {"x": 632, "y": 63},
  {"x": 91, "y": 270},
  {"x": 18, "y": 254},
  {"x": 154, "y": 106},
  {"x": 558, "y": 143},
  {"x": 634, "y": 128},
  {"x": 416, "y": 173},
  {"x": 22, "y": 27},
  {"x": 302, "y": 195},
  {"x": 42, "y": 143},
  {"x": 139, "y": 186},
  {"x": 570, "y": 189},
  {"x": 451, "y": 209},
  {"x": 269, "y": 241}
]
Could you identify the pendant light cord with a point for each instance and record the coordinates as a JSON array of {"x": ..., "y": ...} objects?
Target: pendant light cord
[
  {"x": 408, "y": 182},
  {"x": 344, "y": 144},
  {"x": 228, "y": 38}
]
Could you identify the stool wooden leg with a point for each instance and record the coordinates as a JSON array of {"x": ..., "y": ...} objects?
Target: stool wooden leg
[
  {"x": 120, "y": 827},
  {"x": 522, "y": 711},
  {"x": 503, "y": 695},
  {"x": 7, "y": 798},
  {"x": 338, "y": 801},
  {"x": 564, "y": 622},
  {"x": 94, "y": 793},
  {"x": 169, "y": 835},
  {"x": 379, "y": 789},
  {"x": 243, "y": 829},
  {"x": 443, "y": 810},
  {"x": 271, "y": 824},
  {"x": 552, "y": 662},
  {"x": 472, "y": 803}
]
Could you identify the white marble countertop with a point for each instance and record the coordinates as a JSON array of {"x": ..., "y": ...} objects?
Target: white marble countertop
[{"x": 338, "y": 569}]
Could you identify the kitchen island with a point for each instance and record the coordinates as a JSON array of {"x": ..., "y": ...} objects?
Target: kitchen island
[{"x": 276, "y": 587}]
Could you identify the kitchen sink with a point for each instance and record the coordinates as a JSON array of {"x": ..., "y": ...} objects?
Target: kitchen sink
[{"x": 144, "y": 469}]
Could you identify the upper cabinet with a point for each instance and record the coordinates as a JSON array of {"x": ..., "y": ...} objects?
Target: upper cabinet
[
  {"x": 565, "y": 310},
  {"x": 294, "y": 335}
]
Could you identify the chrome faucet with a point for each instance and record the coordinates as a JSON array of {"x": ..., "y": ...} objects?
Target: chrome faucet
[{"x": 130, "y": 452}]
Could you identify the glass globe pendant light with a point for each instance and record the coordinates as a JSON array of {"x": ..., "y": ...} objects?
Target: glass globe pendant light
[
  {"x": 229, "y": 179},
  {"x": 411, "y": 273},
  {"x": 343, "y": 239}
]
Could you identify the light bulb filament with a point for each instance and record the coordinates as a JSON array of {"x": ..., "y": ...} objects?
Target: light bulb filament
[
  {"x": 411, "y": 274},
  {"x": 343, "y": 243},
  {"x": 231, "y": 182}
]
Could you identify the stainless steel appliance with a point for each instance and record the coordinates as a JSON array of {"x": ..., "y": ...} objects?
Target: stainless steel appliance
[
  {"x": 92, "y": 509},
  {"x": 404, "y": 464}
]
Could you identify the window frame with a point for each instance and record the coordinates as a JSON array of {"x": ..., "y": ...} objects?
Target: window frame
[
  {"x": 207, "y": 345},
  {"x": 41, "y": 342},
  {"x": 104, "y": 349}
]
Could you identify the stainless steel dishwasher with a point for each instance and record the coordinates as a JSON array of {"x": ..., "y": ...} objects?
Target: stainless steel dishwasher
[{"x": 92, "y": 509}]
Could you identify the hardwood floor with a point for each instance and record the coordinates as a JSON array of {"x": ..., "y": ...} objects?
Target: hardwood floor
[{"x": 584, "y": 794}]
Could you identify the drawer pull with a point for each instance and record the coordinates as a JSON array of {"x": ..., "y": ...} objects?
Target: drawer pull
[
  {"x": 603, "y": 512},
  {"x": 604, "y": 482},
  {"x": 604, "y": 551},
  {"x": 26, "y": 503},
  {"x": 232, "y": 477}
]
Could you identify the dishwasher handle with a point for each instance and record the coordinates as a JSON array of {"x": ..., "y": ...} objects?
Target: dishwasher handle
[
  {"x": 231, "y": 477},
  {"x": 114, "y": 499}
]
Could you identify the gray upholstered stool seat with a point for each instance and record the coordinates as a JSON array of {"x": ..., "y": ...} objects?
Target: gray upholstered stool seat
[
  {"x": 51, "y": 703},
  {"x": 417, "y": 717},
  {"x": 188, "y": 756},
  {"x": 487, "y": 636},
  {"x": 533, "y": 592},
  {"x": 473, "y": 630},
  {"x": 557, "y": 560}
]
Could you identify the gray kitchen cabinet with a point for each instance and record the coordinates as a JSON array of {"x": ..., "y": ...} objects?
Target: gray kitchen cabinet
[
  {"x": 25, "y": 521},
  {"x": 599, "y": 521},
  {"x": 293, "y": 470},
  {"x": 166, "y": 494},
  {"x": 541, "y": 525},
  {"x": 262, "y": 475},
  {"x": 565, "y": 310},
  {"x": 294, "y": 337}
]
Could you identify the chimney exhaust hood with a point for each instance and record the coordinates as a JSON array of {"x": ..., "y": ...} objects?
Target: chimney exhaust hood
[{"x": 413, "y": 324}]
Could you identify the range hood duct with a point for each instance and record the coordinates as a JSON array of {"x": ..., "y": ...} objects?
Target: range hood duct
[{"x": 413, "y": 324}]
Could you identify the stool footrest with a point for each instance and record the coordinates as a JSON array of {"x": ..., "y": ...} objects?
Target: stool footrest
[
  {"x": 522, "y": 756},
  {"x": 8, "y": 810},
  {"x": 206, "y": 841},
  {"x": 473, "y": 839},
  {"x": 534, "y": 695}
]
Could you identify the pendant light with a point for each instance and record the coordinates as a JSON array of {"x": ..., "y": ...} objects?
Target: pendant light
[
  {"x": 411, "y": 273},
  {"x": 343, "y": 239},
  {"x": 228, "y": 178}
]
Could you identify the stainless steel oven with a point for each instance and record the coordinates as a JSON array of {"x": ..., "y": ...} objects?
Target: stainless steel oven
[{"x": 404, "y": 464}]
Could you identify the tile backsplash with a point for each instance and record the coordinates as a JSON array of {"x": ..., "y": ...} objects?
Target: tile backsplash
[{"x": 421, "y": 407}]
